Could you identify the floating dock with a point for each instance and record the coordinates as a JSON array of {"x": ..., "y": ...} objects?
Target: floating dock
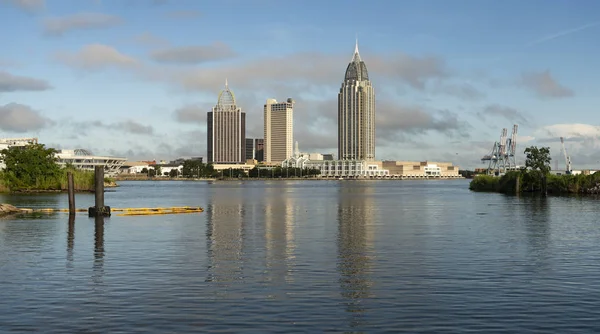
[{"x": 129, "y": 211}]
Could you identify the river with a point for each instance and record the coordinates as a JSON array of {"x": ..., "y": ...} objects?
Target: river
[{"x": 304, "y": 256}]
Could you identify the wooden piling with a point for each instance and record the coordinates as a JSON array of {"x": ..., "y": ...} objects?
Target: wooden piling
[
  {"x": 99, "y": 209},
  {"x": 71, "y": 186}
]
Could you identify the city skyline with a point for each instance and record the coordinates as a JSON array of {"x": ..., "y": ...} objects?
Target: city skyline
[{"x": 449, "y": 76}]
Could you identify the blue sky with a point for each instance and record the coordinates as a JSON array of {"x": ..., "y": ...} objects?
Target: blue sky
[{"x": 135, "y": 78}]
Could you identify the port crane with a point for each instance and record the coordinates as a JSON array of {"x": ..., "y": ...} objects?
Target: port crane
[
  {"x": 567, "y": 157},
  {"x": 503, "y": 157}
]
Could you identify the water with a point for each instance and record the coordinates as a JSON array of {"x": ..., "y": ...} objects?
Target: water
[{"x": 312, "y": 256}]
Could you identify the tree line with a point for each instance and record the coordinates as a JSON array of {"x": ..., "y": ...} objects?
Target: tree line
[
  {"x": 535, "y": 177},
  {"x": 197, "y": 169}
]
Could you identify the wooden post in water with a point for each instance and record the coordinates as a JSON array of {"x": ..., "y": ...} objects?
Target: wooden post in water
[
  {"x": 99, "y": 209},
  {"x": 71, "y": 186}
]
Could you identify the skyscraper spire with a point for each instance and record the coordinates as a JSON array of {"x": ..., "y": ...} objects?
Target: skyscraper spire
[
  {"x": 226, "y": 85},
  {"x": 356, "y": 56}
]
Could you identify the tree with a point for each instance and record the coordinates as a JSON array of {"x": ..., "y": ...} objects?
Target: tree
[
  {"x": 28, "y": 167},
  {"x": 157, "y": 170},
  {"x": 144, "y": 170},
  {"x": 538, "y": 159},
  {"x": 174, "y": 172},
  {"x": 151, "y": 172}
]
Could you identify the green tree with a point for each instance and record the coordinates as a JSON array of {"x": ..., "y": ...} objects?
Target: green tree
[
  {"x": 538, "y": 160},
  {"x": 151, "y": 172},
  {"x": 30, "y": 167},
  {"x": 144, "y": 170},
  {"x": 174, "y": 172},
  {"x": 157, "y": 170}
]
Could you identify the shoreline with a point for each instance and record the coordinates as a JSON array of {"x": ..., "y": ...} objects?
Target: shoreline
[{"x": 291, "y": 179}]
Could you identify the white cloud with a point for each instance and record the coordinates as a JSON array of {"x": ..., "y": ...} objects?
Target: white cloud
[
  {"x": 96, "y": 56},
  {"x": 60, "y": 25}
]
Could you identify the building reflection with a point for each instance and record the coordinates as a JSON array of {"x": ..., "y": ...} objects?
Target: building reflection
[
  {"x": 99, "y": 251},
  {"x": 355, "y": 246},
  {"x": 224, "y": 237},
  {"x": 279, "y": 235}
]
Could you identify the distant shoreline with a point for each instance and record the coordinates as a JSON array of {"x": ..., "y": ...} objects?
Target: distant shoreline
[{"x": 118, "y": 179}]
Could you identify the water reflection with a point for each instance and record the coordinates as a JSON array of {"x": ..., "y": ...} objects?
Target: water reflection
[
  {"x": 98, "y": 268},
  {"x": 70, "y": 240},
  {"x": 537, "y": 226},
  {"x": 224, "y": 239},
  {"x": 355, "y": 242},
  {"x": 279, "y": 235}
]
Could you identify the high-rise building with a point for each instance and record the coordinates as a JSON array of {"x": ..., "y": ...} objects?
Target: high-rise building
[
  {"x": 255, "y": 149},
  {"x": 259, "y": 149},
  {"x": 250, "y": 152},
  {"x": 226, "y": 131},
  {"x": 279, "y": 130},
  {"x": 356, "y": 113}
]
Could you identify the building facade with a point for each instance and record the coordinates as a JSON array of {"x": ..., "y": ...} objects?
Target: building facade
[
  {"x": 421, "y": 169},
  {"x": 278, "y": 130},
  {"x": 356, "y": 113},
  {"x": 226, "y": 131},
  {"x": 339, "y": 168}
]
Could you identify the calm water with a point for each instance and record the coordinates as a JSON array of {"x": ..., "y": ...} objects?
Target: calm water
[{"x": 349, "y": 256}]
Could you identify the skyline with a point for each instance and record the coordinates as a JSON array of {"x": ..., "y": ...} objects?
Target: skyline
[{"x": 448, "y": 76}]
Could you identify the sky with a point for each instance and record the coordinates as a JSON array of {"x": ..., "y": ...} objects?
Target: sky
[{"x": 135, "y": 78}]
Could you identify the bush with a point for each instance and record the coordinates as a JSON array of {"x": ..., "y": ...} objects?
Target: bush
[{"x": 484, "y": 183}]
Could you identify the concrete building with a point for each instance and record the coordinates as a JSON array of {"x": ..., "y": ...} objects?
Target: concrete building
[
  {"x": 339, "y": 168},
  {"x": 356, "y": 113},
  {"x": 11, "y": 142},
  {"x": 278, "y": 130},
  {"x": 255, "y": 149},
  {"x": 226, "y": 131},
  {"x": 250, "y": 152},
  {"x": 421, "y": 169},
  {"x": 86, "y": 160}
]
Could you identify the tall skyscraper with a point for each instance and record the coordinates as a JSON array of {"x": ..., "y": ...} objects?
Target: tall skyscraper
[
  {"x": 226, "y": 131},
  {"x": 356, "y": 113},
  {"x": 279, "y": 130}
]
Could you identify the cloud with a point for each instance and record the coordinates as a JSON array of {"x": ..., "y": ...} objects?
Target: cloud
[
  {"x": 412, "y": 70},
  {"x": 13, "y": 83},
  {"x": 60, "y": 25},
  {"x": 508, "y": 113},
  {"x": 191, "y": 114},
  {"x": 193, "y": 54},
  {"x": 27, "y": 5},
  {"x": 128, "y": 126},
  {"x": 96, "y": 56},
  {"x": 183, "y": 14},
  {"x": 463, "y": 91},
  {"x": 21, "y": 118},
  {"x": 569, "y": 131},
  {"x": 544, "y": 85},
  {"x": 150, "y": 40},
  {"x": 307, "y": 72},
  {"x": 395, "y": 122},
  {"x": 133, "y": 127}
]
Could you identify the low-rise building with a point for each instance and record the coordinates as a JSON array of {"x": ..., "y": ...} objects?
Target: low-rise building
[
  {"x": 338, "y": 168},
  {"x": 84, "y": 159},
  {"x": 421, "y": 169}
]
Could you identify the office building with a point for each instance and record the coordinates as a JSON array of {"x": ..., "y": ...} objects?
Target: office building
[
  {"x": 226, "y": 131},
  {"x": 279, "y": 130},
  {"x": 356, "y": 113}
]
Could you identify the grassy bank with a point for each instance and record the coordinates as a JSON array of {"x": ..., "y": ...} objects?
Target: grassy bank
[
  {"x": 532, "y": 181},
  {"x": 83, "y": 181}
]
